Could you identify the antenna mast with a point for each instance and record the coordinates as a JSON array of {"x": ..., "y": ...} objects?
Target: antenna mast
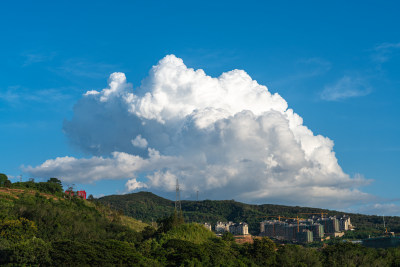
[
  {"x": 384, "y": 225},
  {"x": 178, "y": 197}
]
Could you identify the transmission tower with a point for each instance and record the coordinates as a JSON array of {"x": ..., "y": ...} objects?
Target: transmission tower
[{"x": 178, "y": 206}]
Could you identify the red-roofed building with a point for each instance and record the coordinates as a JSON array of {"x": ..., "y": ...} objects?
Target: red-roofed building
[{"x": 81, "y": 193}]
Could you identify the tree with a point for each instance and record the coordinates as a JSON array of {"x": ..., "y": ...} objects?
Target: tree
[
  {"x": 33, "y": 251},
  {"x": 3, "y": 179},
  {"x": 19, "y": 229},
  {"x": 295, "y": 255},
  {"x": 263, "y": 252},
  {"x": 7, "y": 183},
  {"x": 227, "y": 236},
  {"x": 54, "y": 180}
]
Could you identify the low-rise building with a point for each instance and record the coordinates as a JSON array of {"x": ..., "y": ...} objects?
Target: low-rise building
[
  {"x": 241, "y": 228},
  {"x": 222, "y": 227},
  {"x": 298, "y": 230}
]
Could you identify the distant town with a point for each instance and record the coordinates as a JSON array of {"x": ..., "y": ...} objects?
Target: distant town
[{"x": 315, "y": 228}]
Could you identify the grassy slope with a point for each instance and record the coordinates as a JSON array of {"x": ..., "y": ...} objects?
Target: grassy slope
[
  {"x": 147, "y": 207},
  {"x": 191, "y": 232},
  {"x": 50, "y": 211}
]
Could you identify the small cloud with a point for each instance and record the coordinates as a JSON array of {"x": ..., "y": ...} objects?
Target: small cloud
[
  {"x": 133, "y": 184},
  {"x": 139, "y": 141},
  {"x": 346, "y": 87}
]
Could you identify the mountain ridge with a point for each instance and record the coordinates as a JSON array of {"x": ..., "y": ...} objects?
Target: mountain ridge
[{"x": 147, "y": 206}]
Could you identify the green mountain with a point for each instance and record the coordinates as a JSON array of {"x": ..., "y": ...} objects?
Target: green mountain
[{"x": 149, "y": 207}]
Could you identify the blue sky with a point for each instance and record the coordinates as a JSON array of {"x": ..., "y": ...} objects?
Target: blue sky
[{"x": 336, "y": 64}]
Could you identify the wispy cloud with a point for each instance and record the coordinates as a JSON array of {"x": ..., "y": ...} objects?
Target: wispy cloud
[
  {"x": 305, "y": 68},
  {"x": 316, "y": 65},
  {"x": 32, "y": 58},
  {"x": 383, "y": 52},
  {"x": 84, "y": 68},
  {"x": 18, "y": 94},
  {"x": 346, "y": 87}
]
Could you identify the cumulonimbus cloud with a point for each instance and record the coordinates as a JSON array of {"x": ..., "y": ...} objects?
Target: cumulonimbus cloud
[{"x": 228, "y": 136}]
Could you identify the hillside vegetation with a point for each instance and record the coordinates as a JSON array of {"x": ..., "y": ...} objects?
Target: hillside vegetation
[
  {"x": 41, "y": 227},
  {"x": 148, "y": 207}
]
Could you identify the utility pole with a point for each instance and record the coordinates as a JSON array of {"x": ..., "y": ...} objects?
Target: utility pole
[{"x": 197, "y": 195}]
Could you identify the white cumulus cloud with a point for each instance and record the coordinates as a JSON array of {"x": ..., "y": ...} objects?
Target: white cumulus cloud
[{"x": 228, "y": 135}]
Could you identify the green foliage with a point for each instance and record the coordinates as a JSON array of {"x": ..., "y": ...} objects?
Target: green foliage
[
  {"x": 54, "y": 180},
  {"x": 169, "y": 222},
  {"x": 18, "y": 229},
  {"x": 181, "y": 252},
  {"x": 52, "y": 186},
  {"x": 96, "y": 253},
  {"x": 31, "y": 251},
  {"x": 263, "y": 252},
  {"x": 295, "y": 255},
  {"x": 7, "y": 183},
  {"x": 227, "y": 236},
  {"x": 3, "y": 179},
  {"x": 191, "y": 232},
  {"x": 348, "y": 254}
]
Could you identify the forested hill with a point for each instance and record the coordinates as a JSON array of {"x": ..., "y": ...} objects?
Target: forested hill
[
  {"x": 41, "y": 225},
  {"x": 149, "y": 207}
]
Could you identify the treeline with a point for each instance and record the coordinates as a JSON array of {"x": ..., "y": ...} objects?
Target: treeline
[
  {"x": 183, "y": 245},
  {"x": 52, "y": 186},
  {"x": 148, "y": 207}
]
